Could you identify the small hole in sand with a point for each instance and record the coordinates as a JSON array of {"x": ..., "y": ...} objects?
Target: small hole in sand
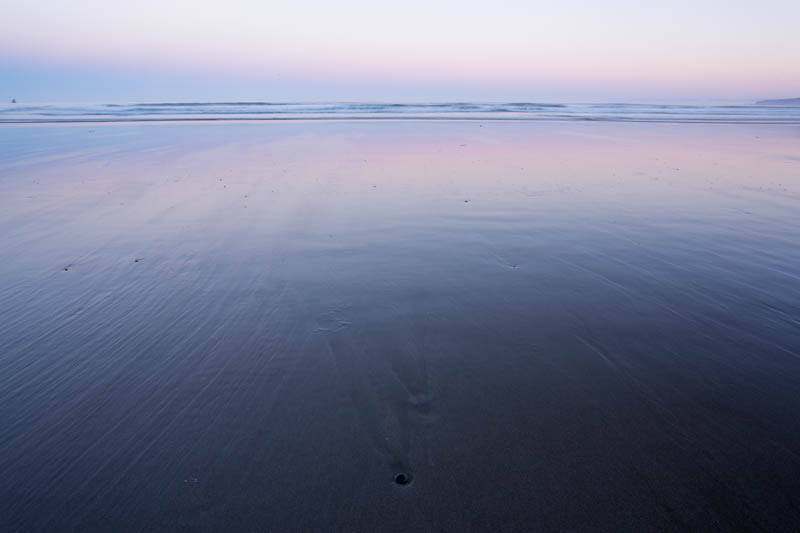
[{"x": 402, "y": 479}]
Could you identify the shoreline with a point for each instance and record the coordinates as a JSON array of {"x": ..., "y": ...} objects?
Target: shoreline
[{"x": 788, "y": 121}]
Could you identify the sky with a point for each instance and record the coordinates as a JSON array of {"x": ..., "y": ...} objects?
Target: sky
[{"x": 318, "y": 50}]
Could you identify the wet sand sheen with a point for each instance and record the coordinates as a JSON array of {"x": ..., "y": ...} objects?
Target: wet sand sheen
[{"x": 399, "y": 326}]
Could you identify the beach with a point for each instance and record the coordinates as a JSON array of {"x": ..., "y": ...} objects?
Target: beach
[{"x": 538, "y": 326}]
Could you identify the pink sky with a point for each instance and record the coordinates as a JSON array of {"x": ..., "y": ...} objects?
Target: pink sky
[{"x": 412, "y": 49}]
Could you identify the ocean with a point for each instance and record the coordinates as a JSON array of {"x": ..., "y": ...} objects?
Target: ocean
[{"x": 607, "y": 112}]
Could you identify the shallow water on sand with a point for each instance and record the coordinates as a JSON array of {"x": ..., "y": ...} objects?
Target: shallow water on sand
[{"x": 259, "y": 326}]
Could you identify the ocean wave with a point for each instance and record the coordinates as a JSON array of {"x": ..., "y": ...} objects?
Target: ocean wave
[{"x": 261, "y": 110}]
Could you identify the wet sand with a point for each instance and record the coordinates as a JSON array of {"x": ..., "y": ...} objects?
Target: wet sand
[{"x": 539, "y": 327}]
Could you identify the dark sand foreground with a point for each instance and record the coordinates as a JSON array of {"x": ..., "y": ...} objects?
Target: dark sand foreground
[{"x": 256, "y": 327}]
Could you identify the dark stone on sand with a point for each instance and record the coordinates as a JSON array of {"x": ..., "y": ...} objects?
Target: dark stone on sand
[{"x": 402, "y": 478}]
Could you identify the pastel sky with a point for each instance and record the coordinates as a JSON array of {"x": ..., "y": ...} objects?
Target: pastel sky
[{"x": 568, "y": 50}]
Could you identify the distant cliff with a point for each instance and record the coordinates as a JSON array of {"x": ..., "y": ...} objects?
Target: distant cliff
[{"x": 784, "y": 101}]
